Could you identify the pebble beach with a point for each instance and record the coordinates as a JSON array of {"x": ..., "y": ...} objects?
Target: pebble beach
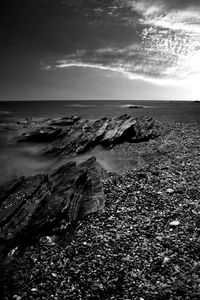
[{"x": 143, "y": 245}]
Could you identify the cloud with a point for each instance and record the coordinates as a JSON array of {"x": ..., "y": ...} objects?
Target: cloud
[
  {"x": 152, "y": 7},
  {"x": 177, "y": 4},
  {"x": 131, "y": 61},
  {"x": 162, "y": 55},
  {"x": 169, "y": 39}
]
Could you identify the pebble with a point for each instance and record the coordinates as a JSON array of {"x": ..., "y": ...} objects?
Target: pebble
[
  {"x": 95, "y": 286},
  {"x": 159, "y": 193},
  {"x": 170, "y": 191},
  {"x": 166, "y": 260},
  {"x": 33, "y": 290},
  {"x": 174, "y": 223}
]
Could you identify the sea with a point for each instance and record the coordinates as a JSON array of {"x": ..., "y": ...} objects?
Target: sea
[{"x": 26, "y": 160}]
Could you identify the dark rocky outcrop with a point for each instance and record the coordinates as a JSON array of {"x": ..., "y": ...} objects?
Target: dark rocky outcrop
[
  {"x": 65, "y": 121},
  {"x": 48, "y": 204},
  {"x": 136, "y": 106},
  {"x": 25, "y": 121},
  {"x": 132, "y": 106},
  {"x": 84, "y": 135},
  {"x": 42, "y": 135}
]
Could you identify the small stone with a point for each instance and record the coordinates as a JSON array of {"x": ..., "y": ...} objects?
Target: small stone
[
  {"x": 96, "y": 286},
  {"x": 134, "y": 275},
  {"x": 54, "y": 274},
  {"x": 170, "y": 191},
  {"x": 33, "y": 290},
  {"x": 174, "y": 223},
  {"x": 166, "y": 260},
  {"x": 179, "y": 191},
  {"x": 18, "y": 298}
]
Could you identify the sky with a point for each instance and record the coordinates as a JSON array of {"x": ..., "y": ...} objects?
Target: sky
[{"x": 98, "y": 49}]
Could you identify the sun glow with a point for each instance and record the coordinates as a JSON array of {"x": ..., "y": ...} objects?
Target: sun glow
[
  {"x": 193, "y": 84},
  {"x": 193, "y": 78}
]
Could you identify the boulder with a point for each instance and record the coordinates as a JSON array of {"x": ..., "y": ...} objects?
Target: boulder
[
  {"x": 119, "y": 130},
  {"x": 48, "y": 204}
]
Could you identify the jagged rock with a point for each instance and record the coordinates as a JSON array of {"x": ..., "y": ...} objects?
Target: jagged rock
[
  {"x": 44, "y": 134},
  {"x": 48, "y": 204},
  {"x": 65, "y": 121},
  {"x": 107, "y": 132},
  {"x": 119, "y": 130},
  {"x": 132, "y": 106},
  {"x": 136, "y": 106},
  {"x": 25, "y": 121}
]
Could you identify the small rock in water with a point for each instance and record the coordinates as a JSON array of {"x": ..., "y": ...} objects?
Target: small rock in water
[
  {"x": 33, "y": 290},
  {"x": 54, "y": 274},
  {"x": 174, "y": 223}
]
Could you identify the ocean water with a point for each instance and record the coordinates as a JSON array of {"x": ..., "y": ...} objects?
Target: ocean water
[
  {"x": 179, "y": 111},
  {"x": 19, "y": 160}
]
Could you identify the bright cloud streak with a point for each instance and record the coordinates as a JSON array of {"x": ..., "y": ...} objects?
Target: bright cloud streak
[{"x": 121, "y": 70}]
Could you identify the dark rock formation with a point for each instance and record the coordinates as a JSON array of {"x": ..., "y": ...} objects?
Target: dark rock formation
[
  {"x": 65, "y": 121},
  {"x": 106, "y": 132},
  {"x": 135, "y": 106},
  {"x": 132, "y": 106},
  {"x": 44, "y": 134},
  {"x": 85, "y": 135},
  {"x": 25, "y": 121},
  {"x": 53, "y": 204}
]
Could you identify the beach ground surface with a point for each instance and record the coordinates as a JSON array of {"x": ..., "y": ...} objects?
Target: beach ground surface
[{"x": 145, "y": 244}]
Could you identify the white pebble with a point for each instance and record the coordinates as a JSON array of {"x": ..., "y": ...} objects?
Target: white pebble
[
  {"x": 33, "y": 290},
  {"x": 174, "y": 223},
  {"x": 166, "y": 260},
  {"x": 170, "y": 191}
]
